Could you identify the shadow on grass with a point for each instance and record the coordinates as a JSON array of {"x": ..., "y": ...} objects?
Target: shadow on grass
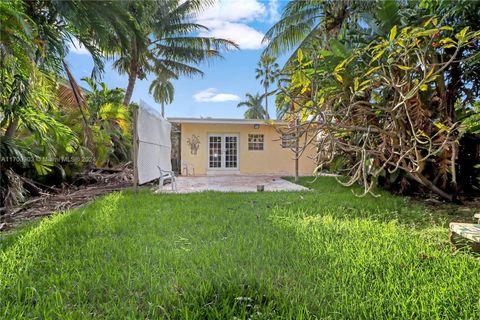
[
  {"x": 362, "y": 268},
  {"x": 32, "y": 256},
  {"x": 386, "y": 207},
  {"x": 212, "y": 255}
]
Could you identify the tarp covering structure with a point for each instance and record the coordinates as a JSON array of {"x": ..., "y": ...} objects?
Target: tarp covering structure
[{"x": 154, "y": 145}]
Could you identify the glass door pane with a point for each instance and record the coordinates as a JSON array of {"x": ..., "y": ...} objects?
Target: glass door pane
[
  {"x": 231, "y": 149},
  {"x": 215, "y": 152}
]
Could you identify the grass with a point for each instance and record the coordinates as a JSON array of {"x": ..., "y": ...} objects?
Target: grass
[{"x": 320, "y": 254}]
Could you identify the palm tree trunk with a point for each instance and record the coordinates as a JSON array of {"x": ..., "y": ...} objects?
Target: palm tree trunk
[
  {"x": 266, "y": 103},
  {"x": 132, "y": 77},
  {"x": 163, "y": 110},
  {"x": 80, "y": 100}
]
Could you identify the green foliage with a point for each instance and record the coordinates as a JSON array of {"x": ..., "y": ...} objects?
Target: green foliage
[
  {"x": 318, "y": 254},
  {"x": 110, "y": 121},
  {"x": 157, "y": 37},
  {"x": 163, "y": 91},
  {"x": 254, "y": 104},
  {"x": 92, "y": 24},
  {"x": 304, "y": 23},
  {"x": 381, "y": 76},
  {"x": 16, "y": 34},
  {"x": 267, "y": 71},
  {"x": 27, "y": 104},
  {"x": 169, "y": 45},
  {"x": 35, "y": 37},
  {"x": 470, "y": 120}
]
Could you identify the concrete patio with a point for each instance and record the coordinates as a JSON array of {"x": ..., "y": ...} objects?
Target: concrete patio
[{"x": 231, "y": 183}]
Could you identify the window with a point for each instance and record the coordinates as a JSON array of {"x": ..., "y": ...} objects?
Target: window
[
  {"x": 288, "y": 140},
  {"x": 255, "y": 142}
]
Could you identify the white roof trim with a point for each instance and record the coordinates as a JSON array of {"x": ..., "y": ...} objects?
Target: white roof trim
[{"x": 226, "y": 121}]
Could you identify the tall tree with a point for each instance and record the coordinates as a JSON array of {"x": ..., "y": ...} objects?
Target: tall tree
[
  {"x": 168, "y": 44},
  {"x": 254, "y": 104},
  {"x": 267, "y": 72},
  {"x": 303, "y": 22},
  {"x": 35, "y": 37},
  {"x": 369, "y": 87},
  {"x": 52, "y": 27},
  {"x": 17, "y": 35},
  {"x": 162, "y": 91}
]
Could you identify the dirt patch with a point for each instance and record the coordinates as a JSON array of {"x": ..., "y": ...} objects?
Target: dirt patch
[
  {"x": 85, "y": 188},
  {"x": 468, "y": 206}
]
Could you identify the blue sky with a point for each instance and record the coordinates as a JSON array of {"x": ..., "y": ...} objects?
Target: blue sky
[{"x": 226, "y": 80}]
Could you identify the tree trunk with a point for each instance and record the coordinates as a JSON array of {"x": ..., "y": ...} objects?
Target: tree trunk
[
  {"x": 163, "y": 110},
  {"x": 266, "y": 103},
  {"x": 12, "y": 127},
  {"x": 80, "y": 100},
  {"x": 427, "y": 183},
  {"x": 132, "y": 77},
  {"x": 453, "y": 170},
  {"x": 454, "y": 85}
]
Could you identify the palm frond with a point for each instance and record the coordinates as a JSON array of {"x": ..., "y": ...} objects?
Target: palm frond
[
  {"x": 174, "y": 68},
  {"x": 299, "y": 19},
  {"x": 254, "y": 106}
]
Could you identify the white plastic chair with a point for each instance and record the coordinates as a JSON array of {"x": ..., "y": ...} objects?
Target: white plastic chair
[{"x": 165, "y": 175}]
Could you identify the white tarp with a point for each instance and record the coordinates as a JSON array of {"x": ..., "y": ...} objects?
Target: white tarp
[{"x": 154, "y": 145}]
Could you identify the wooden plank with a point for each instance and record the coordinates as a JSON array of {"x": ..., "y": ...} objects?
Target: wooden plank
[{"x": 468, "y": 231}]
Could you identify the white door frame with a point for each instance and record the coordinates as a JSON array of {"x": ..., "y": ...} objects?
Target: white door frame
[{"x": 222, "y": 167}]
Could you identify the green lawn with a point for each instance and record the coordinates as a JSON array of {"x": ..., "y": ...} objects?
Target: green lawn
[{"x": 319, "y": 254}]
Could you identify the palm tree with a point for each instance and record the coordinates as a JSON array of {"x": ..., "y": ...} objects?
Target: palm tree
[
  {"x": 305, "y": 21},
  {"x": 111, "y": 121},
  {"x": 16, "y": 35},
  {"x": 163, "y": 91},
  {"x": 52, "y": 26},
  {"x": 267, "y": 72},
  {"x": 168, "y": 44},
  {"x": 300, "y": 21},
  {"x": 91, "y": 24},
  {"x": 254, "y": 104}
]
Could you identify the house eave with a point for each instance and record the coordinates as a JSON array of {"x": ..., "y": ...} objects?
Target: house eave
[{"x": 227, "y": 121}]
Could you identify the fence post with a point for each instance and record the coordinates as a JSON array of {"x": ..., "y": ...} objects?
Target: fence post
[
  {"x": 135, "y": 149},
  {"x": 297, "y": 146}
]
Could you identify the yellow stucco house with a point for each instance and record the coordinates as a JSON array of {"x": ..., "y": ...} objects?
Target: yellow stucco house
[{"x": 239, "y": 146}]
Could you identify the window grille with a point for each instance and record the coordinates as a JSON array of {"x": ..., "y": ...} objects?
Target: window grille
[{"x": 255, "y": 142}]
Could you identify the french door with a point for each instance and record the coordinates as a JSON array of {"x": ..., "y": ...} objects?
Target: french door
[{"x": 223, "y": 152}]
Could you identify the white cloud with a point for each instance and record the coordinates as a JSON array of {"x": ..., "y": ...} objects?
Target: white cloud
[
  {"x": 76, "y": 47},
  {"x": 211, "y": 95},
  {"x": 273, "y": 14},
  {"x": 240, "y": 33},
  {"x": 234, "y": 10},
  {"x": 229, "y": 19}
]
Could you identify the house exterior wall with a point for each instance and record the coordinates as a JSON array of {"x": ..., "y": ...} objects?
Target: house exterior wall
[{"x": 272, "y": 160}]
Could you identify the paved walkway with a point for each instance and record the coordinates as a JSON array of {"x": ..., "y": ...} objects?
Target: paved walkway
[{"x": 232, "y": 184}]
